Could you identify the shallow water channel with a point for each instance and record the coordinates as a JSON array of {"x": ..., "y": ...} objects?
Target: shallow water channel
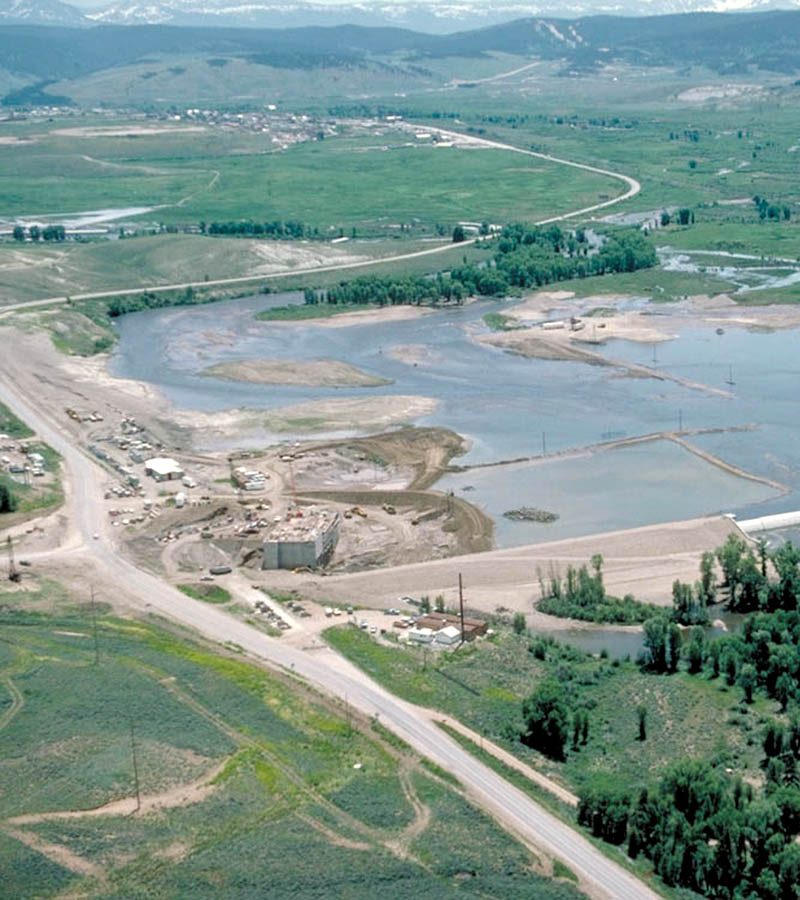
[{"x": 509, "y": 407}]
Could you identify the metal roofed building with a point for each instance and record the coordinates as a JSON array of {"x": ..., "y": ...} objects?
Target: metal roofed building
[
  {"x": 437, "y": 621},
  {"x": 448, "y": 636},
  {"x": 163, "y": 468}
]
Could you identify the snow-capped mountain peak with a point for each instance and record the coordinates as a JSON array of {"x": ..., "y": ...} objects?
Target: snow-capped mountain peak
[{"x": 434, "y": 16}]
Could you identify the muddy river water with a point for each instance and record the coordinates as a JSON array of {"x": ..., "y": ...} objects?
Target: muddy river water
[{"x": 509, "y": 407}]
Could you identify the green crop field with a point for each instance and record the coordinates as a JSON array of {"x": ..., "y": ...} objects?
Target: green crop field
[{"x": 246, "y": 779}]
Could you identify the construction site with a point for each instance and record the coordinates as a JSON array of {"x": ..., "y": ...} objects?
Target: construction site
[{"x": 367, "y": 519}]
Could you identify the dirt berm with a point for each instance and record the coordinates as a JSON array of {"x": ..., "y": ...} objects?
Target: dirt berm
[
  {"x": 473, "y": 530},
  {"x": 427, "y": 451}
]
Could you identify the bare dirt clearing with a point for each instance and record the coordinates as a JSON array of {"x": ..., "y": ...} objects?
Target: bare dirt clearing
[
  {"x": 640, "y": 561},
  {"x": 274, "y": 256},
  {"x": 346, "y": 413},
  {"x": 704, "y": 93},
  {"x": 126, "y": 131}
]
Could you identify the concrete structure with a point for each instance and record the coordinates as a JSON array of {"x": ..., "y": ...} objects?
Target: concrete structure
[
  {"x": 308, "y": 539},
  {"x": 769, "y": 523},
  {"x": 449, "y": 636},
  {"x": 162, "y": 468}
]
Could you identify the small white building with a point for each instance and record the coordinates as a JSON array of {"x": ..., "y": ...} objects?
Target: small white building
[
  {"x": 448, "y": 636},
  {"x": 163, "y": 468},
  {"x": 420, "y": 635}
]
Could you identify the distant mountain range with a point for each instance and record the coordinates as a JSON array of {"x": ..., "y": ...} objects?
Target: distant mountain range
[
  {"x": 431, "y": 16},
  {"x": 36, "y": 56}
]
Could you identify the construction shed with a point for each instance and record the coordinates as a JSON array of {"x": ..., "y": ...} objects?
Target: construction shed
[
  {"x": 437, "y": 621},
  {"x": 162, "y": 468},
  {"x": 307, "y": 539}
]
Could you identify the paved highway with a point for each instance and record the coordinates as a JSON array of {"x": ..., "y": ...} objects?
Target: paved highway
[{"x": 327, "y": 671}]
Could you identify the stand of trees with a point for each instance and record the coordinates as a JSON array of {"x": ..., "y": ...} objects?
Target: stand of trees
[
  {"x": 8, "y": 502},
  {"x": 746, "y": 575},
  {"x": 581, "y": 594},
  {"x": 276, "y": 229},
  {"x": 36, "y": 234},
  {"x": 701, "y": 828},
  {"x": 767, "y": 210},
  {"x": 524, "y": 257},
  {"x": 548, "y": 718},
  {"x": 765, "y": 654},
  {"x": 705, "y": 830},
  {"x": 414, "y": 290}
]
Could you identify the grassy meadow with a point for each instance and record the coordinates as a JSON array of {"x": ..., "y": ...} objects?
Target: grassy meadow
[
  {"x": 372, "y": 184},
  {"x": 245, "y": 777},
  {"x": 484, "y": 685}
]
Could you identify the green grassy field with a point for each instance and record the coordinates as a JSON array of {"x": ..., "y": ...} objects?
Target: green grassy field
[
  {"x": 246, "y": 779},
  {"x": 32, "y": 272},
  {"x": 767, "y": 239},
  {"x": 372, "y": 184},
  {"x": 484, "y": 684},
  {"x": 658, "y": 285}
]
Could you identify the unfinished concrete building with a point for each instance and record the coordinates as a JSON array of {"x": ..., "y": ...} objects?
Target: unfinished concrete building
[{"x": 307, "y": 539}]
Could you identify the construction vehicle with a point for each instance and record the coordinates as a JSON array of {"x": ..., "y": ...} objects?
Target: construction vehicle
[{"x": 13, "y": 572}]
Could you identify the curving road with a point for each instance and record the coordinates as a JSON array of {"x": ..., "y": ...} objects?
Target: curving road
[
  {"x": 633, "y": 188},
  {"x": 331, "y": 673}
]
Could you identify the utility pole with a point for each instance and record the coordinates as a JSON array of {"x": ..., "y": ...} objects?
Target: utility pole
[
  {"x": 461, "y": 605},
  {"x": 13, "y": 572},
  {"x": 94, "y": 630},
  {"x": 291, "y": 476},
  {"x": 680, "y": 420},
  {"x": 544, "y": 445},
  {"x": 135, "y": 770}
]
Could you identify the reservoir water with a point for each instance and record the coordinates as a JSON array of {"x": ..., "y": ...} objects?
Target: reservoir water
[{"x": 509, "y": 406}]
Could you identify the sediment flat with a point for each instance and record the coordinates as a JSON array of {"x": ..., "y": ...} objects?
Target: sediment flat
[{"x": 311, "y": 373}]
